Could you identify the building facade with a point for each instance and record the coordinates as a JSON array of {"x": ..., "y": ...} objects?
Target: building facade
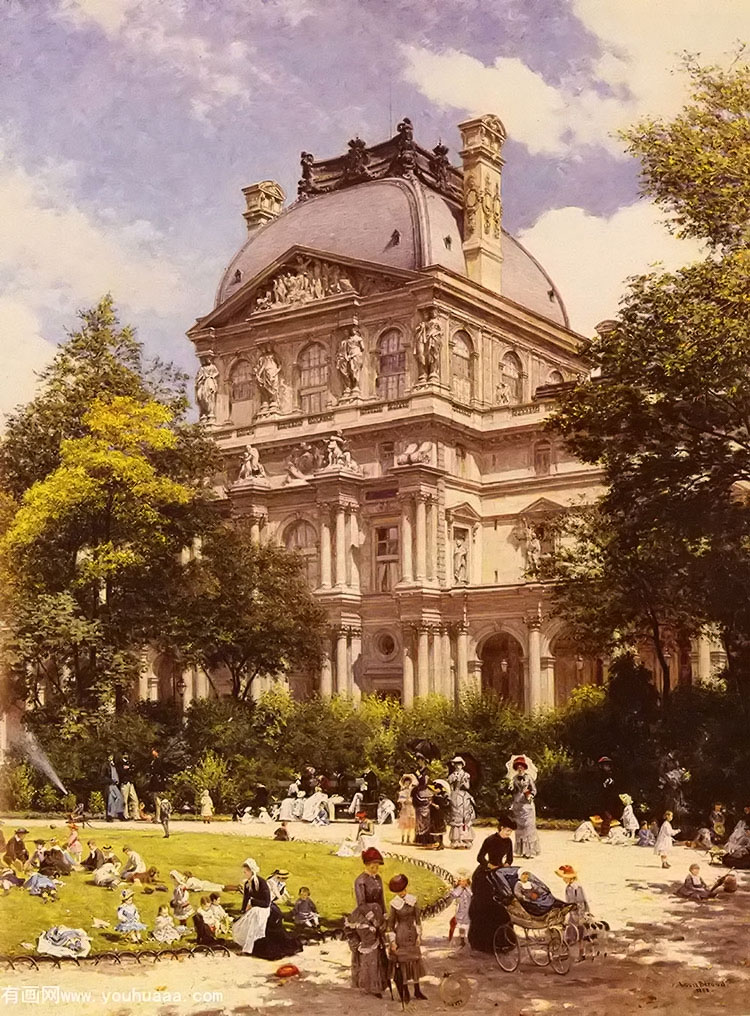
[{"x": 378, "y": 370}]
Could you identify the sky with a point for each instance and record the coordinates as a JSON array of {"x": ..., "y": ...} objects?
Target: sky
[{"x": 129, "y": 127}]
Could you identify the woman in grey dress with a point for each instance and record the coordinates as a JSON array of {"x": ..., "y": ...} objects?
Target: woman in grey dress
[
  {"x": 523, "y": 809},
  {"x": 462, "y": 805}
]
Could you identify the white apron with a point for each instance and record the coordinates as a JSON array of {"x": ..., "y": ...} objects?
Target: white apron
[{"x": 251, "y": 927}]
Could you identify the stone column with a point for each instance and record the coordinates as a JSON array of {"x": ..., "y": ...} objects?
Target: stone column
[
  {"x": 203, "y": 687},
  {"x": 423, "y": 662},
  {"x": 535, "y": 665},
  {"x": 462, "y": 659},
  {"x": 353, "y": 548},
  {"x": 548, "y": 682},
  {"x": 255, "y": 524},
  {"x": 432, "y": 523},
  {"x": 421, "y": 538},
  {"x": 143, "y": 683},
  {"x": 188, "y": 676},
  {"x": 355, "y": 664},
  {"x": 704, "y": 658},
  {"x": 407, "y": 688},
  {"x": 407, "y": 567},
  {"x": 340, "y": 547},
  {"x": 447, "y": 682},
  {"x": 326, "y": 674},
  {"x": 325, "y": 548},
  {"x": 342, "y": 662}
]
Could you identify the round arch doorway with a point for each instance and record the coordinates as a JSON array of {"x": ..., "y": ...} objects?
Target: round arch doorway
[{"x": 502, "y": 668}]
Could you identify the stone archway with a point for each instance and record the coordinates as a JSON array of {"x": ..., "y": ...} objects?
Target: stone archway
[
  {"x": 501, "y": 658},
  {"x": 572, "y": 668}
]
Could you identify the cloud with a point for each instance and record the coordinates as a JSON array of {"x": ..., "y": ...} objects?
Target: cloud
[
  {"x": 635, "y": 73},
  {"x": 590, "y": 257},
  {"x": 20, "y": 333},
  {"x": 62, "y": 255},
  {"x": 211, "y": 73}
]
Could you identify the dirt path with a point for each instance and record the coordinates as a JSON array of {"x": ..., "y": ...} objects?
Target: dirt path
[{"x": 664, "y": 955}]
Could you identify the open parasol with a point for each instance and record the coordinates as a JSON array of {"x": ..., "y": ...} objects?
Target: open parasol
[
  {"x": 421, "y": 746},
  {"x": 530, "y": 767}
]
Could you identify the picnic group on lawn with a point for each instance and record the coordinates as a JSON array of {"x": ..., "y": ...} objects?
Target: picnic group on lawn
[{"x": 385, "y": 936}]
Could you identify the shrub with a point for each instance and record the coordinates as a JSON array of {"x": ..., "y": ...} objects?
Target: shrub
[
  {"x": 96, "y": 803},
  {"x": 48, "y": 799},
  {"x": 16, "y": 786}
]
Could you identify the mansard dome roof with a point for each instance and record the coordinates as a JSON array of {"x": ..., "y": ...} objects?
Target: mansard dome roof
[{"x": 396, "y": 222}]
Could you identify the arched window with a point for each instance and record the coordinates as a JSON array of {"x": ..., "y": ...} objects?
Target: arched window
[
  {"x": 511, "y": 378},
  {"x": 302, "y": 538},
  {"x": 313, "y": 378},
  {"x": 461, "y": 367},
  {"x": 391, "y": 381},
  {"x": 555, "y": 378},
  {"x": 241, "y": 382}
]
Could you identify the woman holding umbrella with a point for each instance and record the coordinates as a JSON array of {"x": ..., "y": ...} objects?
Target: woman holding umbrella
[
  {"x": 522, "y": 776},
  {"x": 421, "y": 796}
]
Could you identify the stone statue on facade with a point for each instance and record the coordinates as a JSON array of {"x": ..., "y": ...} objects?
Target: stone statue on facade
[
  {"x": 461, "y": 559},
  {"x": 428, "y": 339},
  {"x": 533, "y": 549},
  {"x": 302, "y": 462},
  {"x": 311, "y": 279},
  {"x": 414, "y": 454},
  {"x": 207, "y": 387},
  {"x": 338, "y": 455},
  {"x": 268, "y": 376},
  {"x": 502, "y": 393},
  {"x": 439, "y": 165},
  {"x": 251, "y": 469},
  {"x": 350, "y": 359},
  {"x": 356, "y": 162},
  {"x": 306, "y": 184},
  {"x": 405, "y": 161}
]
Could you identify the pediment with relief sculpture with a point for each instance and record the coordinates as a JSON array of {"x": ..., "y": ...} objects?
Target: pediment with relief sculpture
[{"x": 301, "y": 277}]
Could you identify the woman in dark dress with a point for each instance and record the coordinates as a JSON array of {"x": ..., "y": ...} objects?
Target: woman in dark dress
[
  {"x": 260, "y": 931},
  {"x": 486, "y": 914}
]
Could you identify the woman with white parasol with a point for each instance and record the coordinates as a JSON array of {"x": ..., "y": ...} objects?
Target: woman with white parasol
[{"x": 522, "y": 778}]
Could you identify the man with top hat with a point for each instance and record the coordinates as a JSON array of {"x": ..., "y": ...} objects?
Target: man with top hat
[{"x": 368, "y": 887}]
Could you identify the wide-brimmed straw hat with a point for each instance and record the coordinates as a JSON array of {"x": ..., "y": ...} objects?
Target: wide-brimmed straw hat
[{"x": 566, "y": 871}]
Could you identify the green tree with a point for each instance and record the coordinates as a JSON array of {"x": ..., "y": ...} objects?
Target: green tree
[
  {"x": 93, "y": 552},
  {"x": 245, "y": 609},
  {"x": 667, "y": 414}
]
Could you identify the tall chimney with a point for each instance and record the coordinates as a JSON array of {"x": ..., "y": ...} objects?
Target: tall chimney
[
  {"x": 483, "y": 139},
  {"x": 264, "y": 201}
]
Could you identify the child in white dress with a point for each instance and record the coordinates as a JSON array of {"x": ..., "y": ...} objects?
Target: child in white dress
[
  {"x": 665, "y": 839},
  {"x": 164, "y": 928}
]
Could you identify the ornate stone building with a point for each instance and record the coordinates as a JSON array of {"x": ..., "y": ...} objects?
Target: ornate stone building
[{"x": 378, "y": 369}]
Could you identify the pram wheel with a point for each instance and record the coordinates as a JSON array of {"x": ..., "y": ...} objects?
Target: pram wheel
[
  {"x": 559, "y": 952},
  {"x": 507, "y": 950}
]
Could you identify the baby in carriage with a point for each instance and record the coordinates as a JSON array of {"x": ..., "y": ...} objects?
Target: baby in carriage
[{"x": 535, "y": 897}]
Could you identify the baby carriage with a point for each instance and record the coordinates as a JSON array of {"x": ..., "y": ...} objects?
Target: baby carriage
[{"x": 543, "y": 938}]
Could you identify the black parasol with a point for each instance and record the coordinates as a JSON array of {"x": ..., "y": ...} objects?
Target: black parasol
[{"x": 421, "y": 746}]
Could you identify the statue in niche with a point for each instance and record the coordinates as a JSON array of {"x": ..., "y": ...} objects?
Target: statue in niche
[
  {"x": 268, "y": 375},
  {"x": 251, "y": 469},
  {"x": 533, "y": 548},
  {"x": 415, "y": 453},
  {"x": 351, "y": 357},
  {"x": 502, "y": 393},
  {"x": 461, "y": 557},
  {"x": 207, "y": 387},
  {"x": 338, "y": 455},
  {"x": 428, "y": 339}
]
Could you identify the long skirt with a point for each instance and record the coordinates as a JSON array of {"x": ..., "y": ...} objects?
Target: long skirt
[
  {"x": 370, "y": 970},
  {"x": 486, "y": 915},
  {"x": 527, "y": 837},
  {"x": 251, "y": 927},
  {"x": 277, "y": 941},
  {"x": 115, "y": 801}
]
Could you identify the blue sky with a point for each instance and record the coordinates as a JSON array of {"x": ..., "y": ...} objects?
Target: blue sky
[{"x": 128, "y": 128}]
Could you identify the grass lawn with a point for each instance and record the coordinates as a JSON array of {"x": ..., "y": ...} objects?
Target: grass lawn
[{"x": 209, "y": 856}]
